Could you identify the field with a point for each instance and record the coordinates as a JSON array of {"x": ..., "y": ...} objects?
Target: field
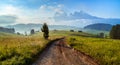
[
  {"x": 22, "y": 50},
  {"x": 19, "y": 49},
  {"x": 105, "y": 51}
]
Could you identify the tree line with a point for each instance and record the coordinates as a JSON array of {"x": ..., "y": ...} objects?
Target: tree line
[
  {"x": 7, "y": 30},
  {"x": 114, "y": 32}
]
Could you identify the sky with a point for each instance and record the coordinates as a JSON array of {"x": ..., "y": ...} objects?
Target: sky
[{"x": 40, "y": 11}]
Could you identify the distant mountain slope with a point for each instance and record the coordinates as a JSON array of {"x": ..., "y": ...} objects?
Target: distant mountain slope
[
  {"x": 7, "y": 30},
  {"x": 37, "y": 27},
  {"x": 99, "y": 26},
  {"x": 81, "y": 19},
  {"x": 73, "y": 16}
]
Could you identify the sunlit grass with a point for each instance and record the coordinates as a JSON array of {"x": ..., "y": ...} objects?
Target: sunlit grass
[
  {"x": 21, "y": 50},
  {"x": 106, "y": 51}
]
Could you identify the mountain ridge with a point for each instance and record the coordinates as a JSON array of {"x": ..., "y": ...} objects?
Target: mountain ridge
[{"x": 82, "y": 18}]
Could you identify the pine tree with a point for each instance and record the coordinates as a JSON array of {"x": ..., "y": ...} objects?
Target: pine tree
[
  {"x": 115, "y": 32},
  {"x": 45, "y": 31}
]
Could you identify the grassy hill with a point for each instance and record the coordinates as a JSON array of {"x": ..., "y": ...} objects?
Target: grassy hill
[
  {"x": 105, "y": 51},
  {"x": 19, "y": 50},
  {"x": 22, "y": 50}
]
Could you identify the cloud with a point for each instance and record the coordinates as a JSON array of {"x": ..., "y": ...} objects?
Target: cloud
[
  {"x": 9, "y": 10},
  {"x": 45, "y": 13},
  {"x": 7, "y": 19},
  {"x": 53, "y": 9},
  {"x": 43, "y": 7}
]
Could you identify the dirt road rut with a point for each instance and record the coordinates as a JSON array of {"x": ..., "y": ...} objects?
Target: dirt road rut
[{"x": 59, "y": 53}]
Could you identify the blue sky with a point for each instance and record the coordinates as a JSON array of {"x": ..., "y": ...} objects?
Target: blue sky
[
  {"x": 102, "y": 8},
  {"x": 28, "y": 11}
]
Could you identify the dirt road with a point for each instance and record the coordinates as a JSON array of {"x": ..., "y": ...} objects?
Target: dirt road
[{"x": 59, "y": 53}]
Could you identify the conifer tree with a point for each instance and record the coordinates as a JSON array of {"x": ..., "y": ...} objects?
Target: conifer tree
[{"x": 45, "y": 31}]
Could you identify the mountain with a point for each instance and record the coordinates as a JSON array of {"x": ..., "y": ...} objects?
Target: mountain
[
  {"x": 7, "y": 30},
  {"x": 82, "y": 15},
  {"x": 99, "y": 26},
  {"x": 22, "y": 28},
  {"x": 81, "y": 19},
  {"x": 75, "y": 15}
]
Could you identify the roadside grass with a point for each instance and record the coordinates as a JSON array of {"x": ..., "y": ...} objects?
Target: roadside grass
[
  {"x": 20, "y": 50},
  {"x": 106, "y": 51}
]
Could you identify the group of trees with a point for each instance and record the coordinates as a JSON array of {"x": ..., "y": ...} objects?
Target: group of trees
[
  {"x": 114, "y": 33},
  {"x": 101, "y": 35},
  {"x": 7, "y": 30},
  {"x": 74, "y": 31},
  {"x": 44, "y": 29}
]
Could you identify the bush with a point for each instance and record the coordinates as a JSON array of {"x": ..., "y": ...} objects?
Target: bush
[
  {"x": 71, "y": 30},
  {"x": 32, "y": 31},
  {"x": 18, "y": 33},
  {"x": 79, "y": 31}
]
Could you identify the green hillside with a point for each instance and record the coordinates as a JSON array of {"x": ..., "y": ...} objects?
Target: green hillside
[
  {"x": 22, "y": 50},
  {"x": 19, "y": 50},
  {"x": 105, "y": 51}
]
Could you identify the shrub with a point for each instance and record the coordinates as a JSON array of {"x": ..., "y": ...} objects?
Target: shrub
[
  {"x": 79, "y": 31},
  {"x": 71, "y": 30},
  {"x": 18, "y": 33},
  {"x": 32, "y": 31}
]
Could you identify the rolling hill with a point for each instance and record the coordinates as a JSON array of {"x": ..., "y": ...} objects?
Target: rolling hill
[{"x": 99, "y": 26}]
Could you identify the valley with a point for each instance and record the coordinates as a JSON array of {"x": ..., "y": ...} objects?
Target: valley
[{"x": 18, "y": 49}]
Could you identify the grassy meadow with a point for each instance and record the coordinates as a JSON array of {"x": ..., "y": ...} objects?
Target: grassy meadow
[
  {"x": 22, "y": 50},
  {"x": 19, "y": 49},
  {"x": 106, "y": 51}
]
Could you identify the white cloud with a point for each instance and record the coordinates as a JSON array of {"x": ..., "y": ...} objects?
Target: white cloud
[
  {"x": 43, "y": 14},
  {"x": 43, "y": 7},
  {"x": 8, "y": 10},
  {"x": 7, "y": 19},
  {"x": 60, "y": 5},
  {"x": 53, "y": 9},
  {"x": 57, "y": 10}
]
